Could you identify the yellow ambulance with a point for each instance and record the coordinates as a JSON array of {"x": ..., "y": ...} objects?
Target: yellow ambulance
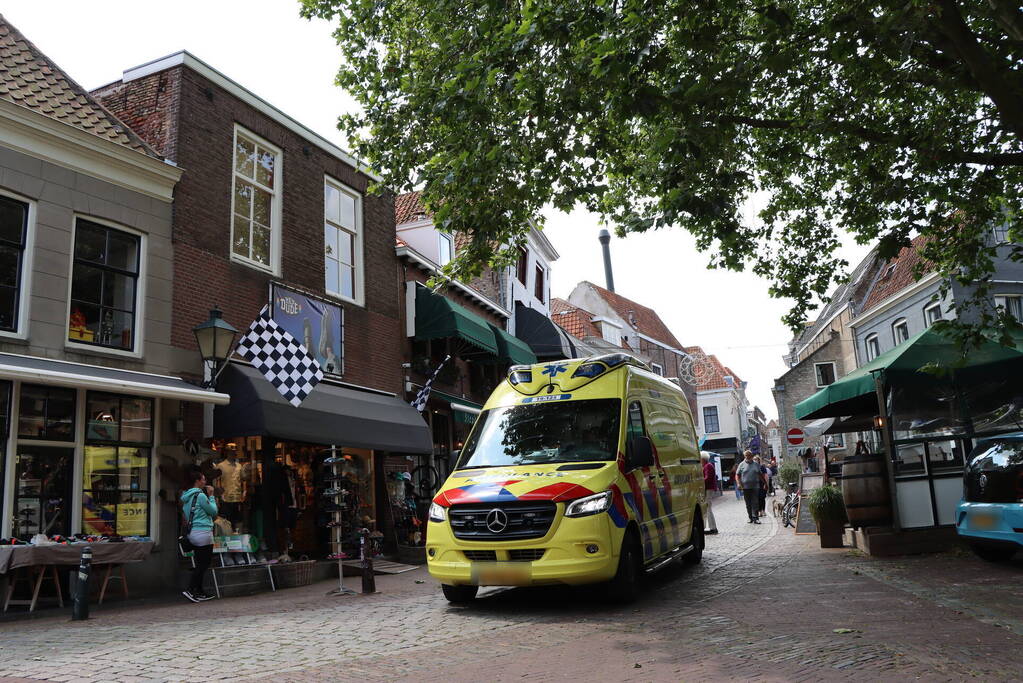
[{"x": 576, "y": 472}]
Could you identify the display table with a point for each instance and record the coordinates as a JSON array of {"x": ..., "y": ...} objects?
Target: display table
[{"x": 37, "y": 563}]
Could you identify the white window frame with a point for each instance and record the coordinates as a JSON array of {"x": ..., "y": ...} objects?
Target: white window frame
[
  {"x": 1002, "y": 301},
  {"x": 717, "y": 417},
  {"x": 817, "y": 375},
  {"x": 274, "y": 267},
  {"x": 903, "y": 324},
  {"x": 872, "y": 346},
  {"x": 928, "y": 309},
  {"x": 140, "y": 291},
  {"x": 657, "y": 369},
  {"x": 539, "y": 267},
  {"x": 444, "y": 238},
  {"x": 357, "y": 244},
  {"x": 837, "y": 441},
  {"x": 1000, "y": 234},
  {"x": 27, "y": 261}
]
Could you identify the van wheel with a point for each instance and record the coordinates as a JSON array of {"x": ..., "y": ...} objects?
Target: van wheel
[
  {"x": 459, "y": 595},
  {"x": 694, "y": 556},
  {"x": 625, "y": 586},
  {"x": 994, "y": 553}
]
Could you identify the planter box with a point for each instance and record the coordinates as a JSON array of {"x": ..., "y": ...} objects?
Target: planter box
[{"x": 832, "y": 533}]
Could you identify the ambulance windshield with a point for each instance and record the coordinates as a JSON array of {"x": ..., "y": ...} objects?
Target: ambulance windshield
[{"x": 541, "y": 433}]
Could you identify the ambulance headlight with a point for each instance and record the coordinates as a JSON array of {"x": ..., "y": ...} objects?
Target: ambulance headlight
[
  {"x": 438, "y": 513},
  {"x": 590, "y": 505}
]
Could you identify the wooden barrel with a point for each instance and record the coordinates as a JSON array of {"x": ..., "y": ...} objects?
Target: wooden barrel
[{"x": 865, "y": 490}]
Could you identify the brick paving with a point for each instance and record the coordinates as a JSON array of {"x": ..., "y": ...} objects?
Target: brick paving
[{"x": 764, "y": 605}]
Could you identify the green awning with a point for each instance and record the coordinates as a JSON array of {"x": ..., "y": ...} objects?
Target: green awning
[
  {"x": 440, "y": 318},
  {"x": 512, "y": 349},
  {"x": 854, "y": 393},
  {"x": 462, "y": 409}
]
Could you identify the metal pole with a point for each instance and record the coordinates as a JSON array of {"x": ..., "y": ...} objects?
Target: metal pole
[
  {"x": 887, "y": 438},
  {"x": 605, "y": 239},
  {"x": 80, "y": 600}
]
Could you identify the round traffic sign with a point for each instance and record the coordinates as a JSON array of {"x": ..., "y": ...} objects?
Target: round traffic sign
[{"x": 795, "y": 436}]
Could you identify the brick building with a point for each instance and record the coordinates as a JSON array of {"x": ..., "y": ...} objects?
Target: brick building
[{"x": 270, "y": 214}]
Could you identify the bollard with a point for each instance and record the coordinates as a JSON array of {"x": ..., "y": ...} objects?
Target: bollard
[
  {"x": 80, "y": 601},
  {"x": 369, "y": 582}
]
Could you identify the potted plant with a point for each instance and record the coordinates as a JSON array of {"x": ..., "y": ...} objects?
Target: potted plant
[{"x": 828, "y": 509}]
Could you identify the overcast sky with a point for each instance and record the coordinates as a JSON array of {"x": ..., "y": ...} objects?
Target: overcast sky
[{"x": 266, "y": 47}]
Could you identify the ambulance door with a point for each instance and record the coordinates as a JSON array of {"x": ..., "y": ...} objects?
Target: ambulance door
[
  {"x": 690, "y": 467},
  {"x": 640, "y": 495},
  {"x": 663, "y": 424}
]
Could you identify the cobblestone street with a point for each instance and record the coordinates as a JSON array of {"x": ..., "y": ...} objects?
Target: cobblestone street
[{"x": 764, "y": 605}]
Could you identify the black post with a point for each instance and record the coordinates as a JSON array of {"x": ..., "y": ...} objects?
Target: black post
[
  {"x": 80, "y": 601},
  {"x": 369, "y": 582},
  {"x": 887, "y": 437}
]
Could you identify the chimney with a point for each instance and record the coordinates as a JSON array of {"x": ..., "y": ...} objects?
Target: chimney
[{"x": 605, "y": 238}]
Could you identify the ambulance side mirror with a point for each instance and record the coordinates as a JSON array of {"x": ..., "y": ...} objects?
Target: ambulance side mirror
[
  {"x": 453, "y": 460},
  {"x": 640, "y": 452}
]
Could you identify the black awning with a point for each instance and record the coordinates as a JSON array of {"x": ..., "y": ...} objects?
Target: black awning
[
  {"x": 726, "y": 445},
  {"x": 548, "y": 341},
  {"x": 329, "y": 415}
]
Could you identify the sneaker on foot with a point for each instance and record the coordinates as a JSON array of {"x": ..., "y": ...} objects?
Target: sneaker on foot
[{"x": 189, "y": 595}]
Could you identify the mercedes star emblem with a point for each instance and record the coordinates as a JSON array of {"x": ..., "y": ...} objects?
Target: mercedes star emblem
[{"x": 497, "y": 520}]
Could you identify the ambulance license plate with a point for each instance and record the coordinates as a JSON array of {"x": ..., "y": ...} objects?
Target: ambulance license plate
[
  {"x": 501, "y": 573},
  {"x": 983, "y": 521}
]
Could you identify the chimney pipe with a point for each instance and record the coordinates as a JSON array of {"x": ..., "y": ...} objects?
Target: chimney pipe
[{"x": 605, "y": 239}]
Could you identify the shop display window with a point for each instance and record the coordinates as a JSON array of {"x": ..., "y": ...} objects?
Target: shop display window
[
  {"x": 42, "y": 491},
  {"x": 909, "y": 458},
  {"x": 924, "y": 409},
  {"x": 5, "y": 419},
  {"x": 46, "y": 413},
  {"x": 945, "y": 455},
  {"x": 116, "y": 465}
]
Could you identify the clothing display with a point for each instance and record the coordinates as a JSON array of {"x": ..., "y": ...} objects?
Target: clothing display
[{"x": 231, "y": 480}]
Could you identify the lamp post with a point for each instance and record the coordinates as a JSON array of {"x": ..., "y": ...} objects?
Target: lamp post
[{"x": 215, "y": 339}]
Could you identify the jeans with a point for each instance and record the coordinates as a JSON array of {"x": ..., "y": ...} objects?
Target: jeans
[{"x": 752, "y": 502}]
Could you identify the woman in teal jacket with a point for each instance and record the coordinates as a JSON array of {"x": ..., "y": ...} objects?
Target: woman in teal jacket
[{"x": 200, "y": 508}]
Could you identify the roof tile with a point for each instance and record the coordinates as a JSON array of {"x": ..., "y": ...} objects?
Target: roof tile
[
  {"x": 29, "y": 79},
  {"x": 574, "y": 320},
  {"x": 897, "y": 274},
  {"x": 647, "y": 322}
]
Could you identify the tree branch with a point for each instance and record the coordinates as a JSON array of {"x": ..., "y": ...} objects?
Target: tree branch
[
  {"x": 997, "y": 83},
  {"x": 1009, "y": 17},
  {"x": 950, "y": 155}
]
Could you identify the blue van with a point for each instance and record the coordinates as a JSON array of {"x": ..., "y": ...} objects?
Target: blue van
[{"x": 990, "y": 515}]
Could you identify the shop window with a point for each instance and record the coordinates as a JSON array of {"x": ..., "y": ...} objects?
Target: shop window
[
  {"x": 909, "y": 458},
  {"x": 255, "y": 201},
  {"x": 540, "y": 284},
  {"x": 521, "y": 266},
  {"x": 872, "y": 347},
  {"x": 46, "y": 413},
  {"x": 945, "y": 455},
  {"x": 42, "y": 490},
  {"x": 13, "y": 233},
  {"x": 5, "y": 421},
  {"x": 116, "y": 468},
  {"x": 342, "y": 241},
  {"x": 932, "y": 313},
  {"x": 836, "y": 441},
  {"x": 900, "y": 331},
  {"x": 825, "y": 373},
  {"x": 104, "y": 286},
  {"x": 710, "y": 420}
]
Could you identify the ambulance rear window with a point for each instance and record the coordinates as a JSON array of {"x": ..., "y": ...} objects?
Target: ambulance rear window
[{"x": 541, "y": 433}]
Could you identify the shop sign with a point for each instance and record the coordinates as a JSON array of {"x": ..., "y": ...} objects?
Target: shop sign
[{"x": 316, "y": 324}]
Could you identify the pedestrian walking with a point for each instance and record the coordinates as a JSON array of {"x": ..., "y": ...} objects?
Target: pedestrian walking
[
  {"x": 762, "y": 491},
  {"x": 710, "y": 484},
  {"x": 199, "y": 508},
  {"x": 732, "y": 478},
  {"x": 750, "y": 478}
]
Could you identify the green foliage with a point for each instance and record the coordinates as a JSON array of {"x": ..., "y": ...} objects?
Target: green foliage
[
  {"x": 878, "y": 119},
  {"x": 826, "y": 504},
  {"x": 789, "y": 473}
]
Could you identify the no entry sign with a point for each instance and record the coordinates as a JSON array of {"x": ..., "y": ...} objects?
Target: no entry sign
[{"x": 795, "y": 436}]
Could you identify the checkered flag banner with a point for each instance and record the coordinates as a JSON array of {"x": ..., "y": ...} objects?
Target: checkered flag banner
[
  {"x": 281, "y": 358},
  {"x": 424, "y": 394}
]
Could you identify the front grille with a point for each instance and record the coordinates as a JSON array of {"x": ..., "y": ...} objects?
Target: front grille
[
  {"x": 528, "y": 555},
  {"x": 480, "y": 555},
  {"x": 525, "y": 520}
]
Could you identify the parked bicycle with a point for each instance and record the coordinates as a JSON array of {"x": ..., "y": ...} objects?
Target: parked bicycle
[{"x": 790, "y": 509}]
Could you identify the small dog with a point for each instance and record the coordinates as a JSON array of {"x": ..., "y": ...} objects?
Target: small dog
[{"x": 776, "y": 508}]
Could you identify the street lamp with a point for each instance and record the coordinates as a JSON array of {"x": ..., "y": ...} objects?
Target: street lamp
[{"x": 215, "y": 339}]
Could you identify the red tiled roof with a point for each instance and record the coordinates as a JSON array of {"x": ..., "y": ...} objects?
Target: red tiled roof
[
  {"x": 647, "y": 321},
  {"x": 29, "y": 79},
  {"x": 573, "y": 319},
  {"x": 408, "y": 207},
  {"x": 897, "y": 274},
  {"x": 399, "y": 242},
  {"x": 713, "y": 374}
]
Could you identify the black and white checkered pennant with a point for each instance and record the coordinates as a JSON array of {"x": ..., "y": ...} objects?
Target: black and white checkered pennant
[
  {"x": 281, "y": 358},
  {"x": 424, "y": 394}
]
